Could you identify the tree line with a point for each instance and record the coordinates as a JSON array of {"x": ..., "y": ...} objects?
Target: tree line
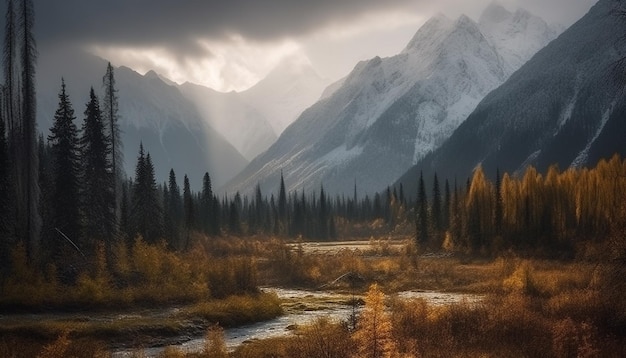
[
  {"x": 552, "y": 213},
  {"x": 63, "y": 195}
]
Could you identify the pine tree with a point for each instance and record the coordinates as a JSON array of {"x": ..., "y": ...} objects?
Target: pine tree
[
  {"x": 215, "y": 216},
  {"x": 66, "y": 168},
  {"x": 323, "y": 216},
  {"x": 20, "y": 113},
  {"x": 436, "y": 206},
  {"x": 10, "y": 93},
  {"x": 208, "y": 219},
  {"x": 173, "y": 210},
  {"x": 282, "y": 204},
  {"x": 29, "y": 126},
  {"x": 111, "y": 117},
  {"x": 6, "y": 207},
  {"x": 98, "y": 200},
  {"x": 10, "y": 138},
  {"x": 446, "y": 206},
  {"x": 421, "y": 213},
  {"x": 146, "y": 212},
  {"x": 257, "y": 216},
  {"x": 234, "y": 224},
  {"x": 189, "y": 211},
  {"x": 125, "y": 226}
]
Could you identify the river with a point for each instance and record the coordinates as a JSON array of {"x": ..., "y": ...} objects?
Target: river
[{"x": 327, "y": 304}]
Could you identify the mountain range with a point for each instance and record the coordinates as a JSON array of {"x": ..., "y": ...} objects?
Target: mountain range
[
  {"x": 565, "y": 106},
  {"x": 388, "y": 113},
  {"x": 189, "y": 128},
  {"x": 253, "y": 119}
]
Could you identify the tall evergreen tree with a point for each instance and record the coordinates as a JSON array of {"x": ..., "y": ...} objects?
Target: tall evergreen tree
[
  {"x": 98, "y": 200},
  {"x": 10, "y": 93},
  {"x": 234, "y": 224},
  {"x": 20, "y": 109},
  {"x": 65, "y": 147},
  {"x": 49, "y": 236},
  {"x": 125, "y": 227},
  {"x": 189, "y": 211},
  {"x": 282, "y": 204},
  {"x": 173, "y": 210},
  {"x": 6, "y": 212},
  {"x": 111, "y": 117},
  {"x": 29, "y": 159},
  {"x": 323, "y": 216},
  {"x": 446, "y": 206},
  {"x": 146, "y": 212},
  {"x": 10, "y": 134},
  {"x": 208, "y": 217},
  {"x": 257, "y": 216},
  {"x": 421, "y": 212},
  {"x": 436, "y": 206}
]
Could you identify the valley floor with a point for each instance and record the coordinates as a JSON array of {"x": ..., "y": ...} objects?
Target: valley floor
[{"x": 528, "y": 307}]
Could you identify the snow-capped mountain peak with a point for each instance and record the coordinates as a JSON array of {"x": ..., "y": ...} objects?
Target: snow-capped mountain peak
[
  {"x": 430, "y": 33},
  {"x": 392, "y": 111},
  {"x": 286, "y": 91},
  {"x": 495, "y": 13},
  {"x": 516, "y": 36}
]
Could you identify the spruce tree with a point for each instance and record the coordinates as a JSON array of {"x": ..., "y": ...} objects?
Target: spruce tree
[
  {"x": 29, "y": 158},
  {"x": 189, "y": 211},
  {"x": 446, "y": 206},
  {"x": 146, "y": 216},
  {"x": 125, "y": 228},
  {"x": 436, "y": 206},
  {"x": 421, "y": 213},
  {"x": 20, "y": 56},
  {"x": 323, "y": 216},
  {"x": 207, "y": 214},
  {"x": 98, "y": 200},
  {"x": 6, "y": 212},
  {"x": 173, "y": 210},
  {"x": 234, "y": 225},
  {"x": 111, "y": 118},
  {"x": 66, "y": 168},
  {"x": 282, "y": 204}
]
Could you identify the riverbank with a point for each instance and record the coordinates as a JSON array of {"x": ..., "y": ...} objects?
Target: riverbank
[{"x": 130, "y": 329}]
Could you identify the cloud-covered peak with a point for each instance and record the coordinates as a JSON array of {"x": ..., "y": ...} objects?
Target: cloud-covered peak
[
  {"x": 495, "y": 13},
  {"x": 429, "y": 32}
]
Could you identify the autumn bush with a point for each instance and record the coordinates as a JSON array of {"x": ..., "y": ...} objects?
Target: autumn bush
[{"x": 130, "y": 274}]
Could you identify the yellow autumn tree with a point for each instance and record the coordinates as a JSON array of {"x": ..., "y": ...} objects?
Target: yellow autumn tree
[
  {"x": 215, "y": 347},
  {"x": 373, "y": 336}
]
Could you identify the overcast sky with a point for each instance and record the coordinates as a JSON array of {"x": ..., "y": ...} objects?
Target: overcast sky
[{"x": 231, "y": 44}]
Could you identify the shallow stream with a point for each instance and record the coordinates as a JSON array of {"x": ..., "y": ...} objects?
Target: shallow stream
[{"x": 313, "y": 305}]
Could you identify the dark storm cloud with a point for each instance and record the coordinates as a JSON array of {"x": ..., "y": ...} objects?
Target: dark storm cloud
[{"x": 178, "y": 24}]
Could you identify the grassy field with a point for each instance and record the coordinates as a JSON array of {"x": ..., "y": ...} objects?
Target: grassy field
[{"x": 531, "y": 307}]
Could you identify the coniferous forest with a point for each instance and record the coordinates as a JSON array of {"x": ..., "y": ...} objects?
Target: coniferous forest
[{"x": 543, "y": 252}]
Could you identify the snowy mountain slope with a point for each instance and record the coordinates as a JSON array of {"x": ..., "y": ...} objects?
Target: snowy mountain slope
[
  {"x": 152, "y": 112},
  {"x": 252, "y": 120},
  {"x": 516, "y": 36},
  {"x": 388, "y": 113},
  {"x": 562, "y": 107},
  {"x": 285, "y": 92},
  {"x": 240, "y": 123}
]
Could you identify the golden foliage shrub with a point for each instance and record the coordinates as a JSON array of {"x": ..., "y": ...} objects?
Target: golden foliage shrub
[
  {"x": 374, "y": 337},
  {"x": 215, "y": 347}
]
